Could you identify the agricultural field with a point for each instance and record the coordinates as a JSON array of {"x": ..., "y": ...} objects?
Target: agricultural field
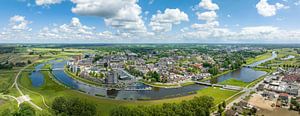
[{"x": 283, "y": 60}]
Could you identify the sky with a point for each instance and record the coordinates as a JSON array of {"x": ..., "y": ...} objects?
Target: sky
[{"x": 149, "y": 21}]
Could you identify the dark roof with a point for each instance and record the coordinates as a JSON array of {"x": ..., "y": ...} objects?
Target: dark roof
[{"x": 230, "y": 113}]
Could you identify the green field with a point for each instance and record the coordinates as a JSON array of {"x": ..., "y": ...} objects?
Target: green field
[
  {"x": 234, "y": 82},
  {"x": 258, "y": 58}
]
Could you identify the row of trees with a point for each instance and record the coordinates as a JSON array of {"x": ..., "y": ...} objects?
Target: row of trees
[
  {"x": 8, "y": 65},
  {"x": 289, "y": 66},
  {"x": 199, "y": 106},
  {"x": 73, "y": 107}
]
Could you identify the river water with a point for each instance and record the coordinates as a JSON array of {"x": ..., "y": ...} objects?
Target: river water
[{"x": 243, "y": 74}]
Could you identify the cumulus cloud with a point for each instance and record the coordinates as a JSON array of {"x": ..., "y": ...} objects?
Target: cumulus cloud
[
  {"x": 265, "y": 9},
  {"x": 162, "y": 22},
  {"x": 254, "y": 34},
  {"x": 18, "y": 28},
  {"x": 19, "y": 23},
  {"x": 123, "y": 15},
  {"x": 73, "y": 30},
  {"x": 205, "y": 26},
  {"x": 207, "y": 16},
  {"x": 47, "y": 2},
  {"x": 208, "y": 5}
]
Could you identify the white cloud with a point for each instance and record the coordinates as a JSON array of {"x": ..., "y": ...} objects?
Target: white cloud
[
  {"x": 47, "y": 2},
  {"x": 207, "y": 16},
  {"x": 123, "y": 15},
  {"x": 265, "y": 9},
  {"x": 73, "y": 30},
  {"x": 208, "y": 5},
  {"x": 255, "y": 34},
  {"x": 18, "y": 22},
  {"x": 18, "y": 28},
  {"x": 162, "y": 22},
  {"x": 281, "y": 6},
  {"x": 259, "y": 30},
  {"x": 297, "y": 3},
  {"x": 206, "y": 26}
]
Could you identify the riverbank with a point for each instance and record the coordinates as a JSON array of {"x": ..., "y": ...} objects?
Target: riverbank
[
  {"x": 259, "y": 58},
  {"x": 218, "y": 75},
  {"x": 70, "y": 74},
  {"x": 160, "y": 85},
  {"x": 51, "y": 89}
]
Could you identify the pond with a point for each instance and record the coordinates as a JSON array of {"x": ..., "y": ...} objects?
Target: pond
[
  {"x": 36, "y": 77},
  {"x": 246, "y": 74}
]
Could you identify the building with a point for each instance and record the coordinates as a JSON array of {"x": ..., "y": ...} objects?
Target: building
[{"x": 111, "y": 78}]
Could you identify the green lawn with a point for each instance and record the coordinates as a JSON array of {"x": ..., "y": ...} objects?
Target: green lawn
[
  {"x": 234, "y": 82},
  {"x": 258, "y": 58},
  {"x": 218, "y": 94}
]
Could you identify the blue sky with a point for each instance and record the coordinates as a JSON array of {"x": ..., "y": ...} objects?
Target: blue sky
[{"x": 232, "y": 21}]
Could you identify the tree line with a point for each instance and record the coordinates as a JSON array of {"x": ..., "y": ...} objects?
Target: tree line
[{"x": 198, "y": 106}]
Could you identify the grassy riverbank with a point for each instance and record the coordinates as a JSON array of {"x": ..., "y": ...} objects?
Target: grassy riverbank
[
  {"x": 50, "y": 89},
  {"x": 161, "y": 85},
  {"x": 216, "y": 76},
  {"x": 259, "y": 58},
  {"x": 234, "y": 82},
  {"x": 80, "y": 79}
]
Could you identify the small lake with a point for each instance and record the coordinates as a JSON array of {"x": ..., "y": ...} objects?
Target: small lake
[
  {"x": 36, "y": 77},
  {"x": 247, "y": 74},
  {"x": 242, "y": 74}
]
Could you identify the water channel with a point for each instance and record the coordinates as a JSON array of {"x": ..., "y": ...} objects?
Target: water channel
[{"x": 244, "y": 74}]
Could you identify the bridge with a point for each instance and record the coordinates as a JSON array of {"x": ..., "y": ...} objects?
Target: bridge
[
  {"x": 229, "y": 87},
  {"x": 32, "y": 69}
]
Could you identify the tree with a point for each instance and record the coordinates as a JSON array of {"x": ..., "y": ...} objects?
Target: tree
[
  {"x": 25, "y": 110},
  {"x": 199, "y": 106},
  {"x": 28, "y": 61},
  {"x": 224, "y": 104},
  {"x": 73, "y": 107},
  {"x": 6, "y": 112},
  {"x": 59, "y": 105}
]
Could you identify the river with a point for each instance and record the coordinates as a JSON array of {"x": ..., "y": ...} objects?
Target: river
[{"x": 244, "y": 74}]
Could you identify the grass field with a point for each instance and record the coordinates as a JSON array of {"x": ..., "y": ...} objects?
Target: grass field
[
  {"x": 258, "y": 58},
  {"x": 234, "y": 82}
]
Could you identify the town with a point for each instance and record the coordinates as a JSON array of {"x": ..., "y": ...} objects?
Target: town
[{"x": 164, "y": 68}]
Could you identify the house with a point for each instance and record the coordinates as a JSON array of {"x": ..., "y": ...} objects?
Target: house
[
  {"x": 260, "y": 87},
  {"x": 268, "y": 95},
  {"x": 231, "y": 112},
  {"x": 283, "y": 98}
]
